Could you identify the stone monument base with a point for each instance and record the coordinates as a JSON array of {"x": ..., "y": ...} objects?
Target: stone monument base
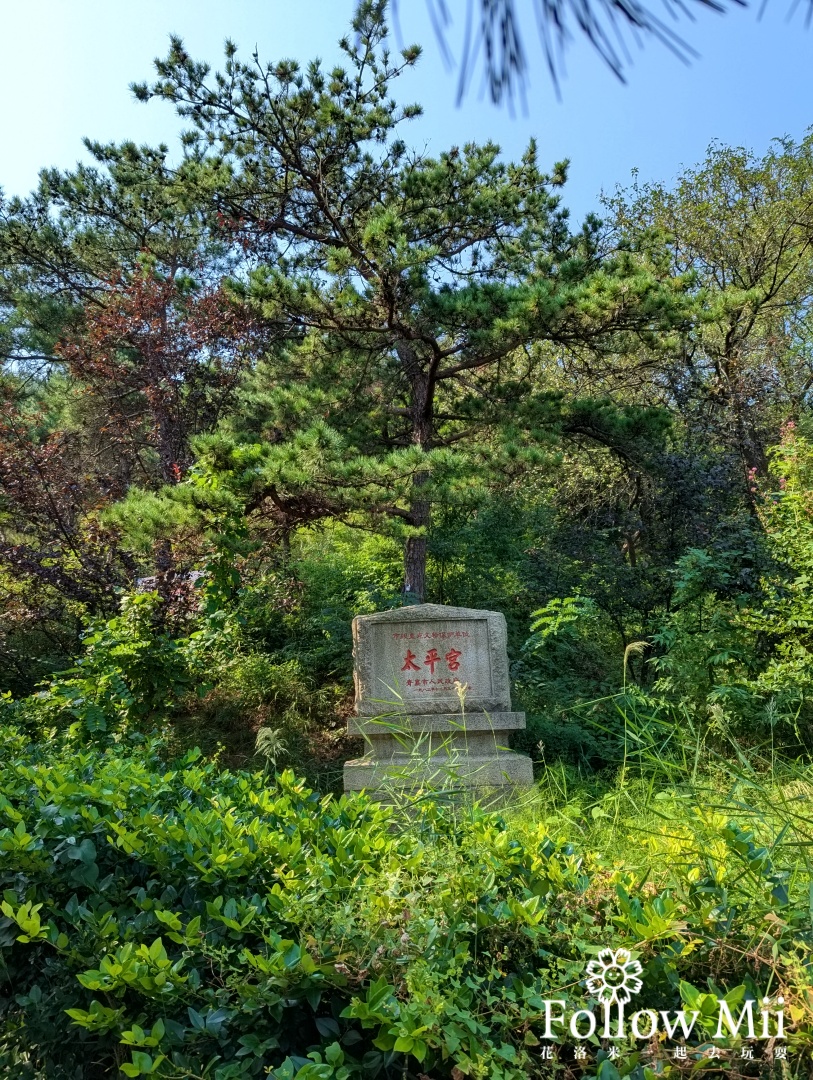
[
  {"x": 504, "y": 771},
  {"x": 438, "y": 750},
  {"x": 433, "y": 705}
]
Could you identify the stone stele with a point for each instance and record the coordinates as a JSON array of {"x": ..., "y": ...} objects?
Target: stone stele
[{"x": 433, "y": 701}]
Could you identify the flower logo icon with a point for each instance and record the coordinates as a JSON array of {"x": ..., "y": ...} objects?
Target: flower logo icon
[{"x": 613, "y": 976}]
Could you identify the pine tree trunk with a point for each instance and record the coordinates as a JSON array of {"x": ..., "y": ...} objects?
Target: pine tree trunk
[
  {"x": 414, "y": 590},
  {"x": 415, "y": 550}
]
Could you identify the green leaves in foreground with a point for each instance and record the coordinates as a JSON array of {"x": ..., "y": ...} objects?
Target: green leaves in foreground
[{"x": 184, "y": 922}]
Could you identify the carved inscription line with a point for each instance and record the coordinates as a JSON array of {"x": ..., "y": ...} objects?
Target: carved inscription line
[{"x": 432, "y": 658}]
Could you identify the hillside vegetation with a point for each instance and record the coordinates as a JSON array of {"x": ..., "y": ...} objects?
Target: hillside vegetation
[{"x": 301, "y": 371}]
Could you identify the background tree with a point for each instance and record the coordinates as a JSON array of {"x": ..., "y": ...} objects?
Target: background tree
[
  {"x": 161, "y": 359},
  {"x": 64, "y": 247},
  {"x": 116, "y": 348},
  {"x": 743, "y": 226}
]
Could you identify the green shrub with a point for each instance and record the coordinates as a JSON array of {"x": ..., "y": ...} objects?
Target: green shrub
[
  {"x": 740, "y": 660},
  {"x": 295, "y": 698},
  {"x": 130, "y": 674},
  {"x": 547, "y": 740},
  {"x": 185, "y": 922}
]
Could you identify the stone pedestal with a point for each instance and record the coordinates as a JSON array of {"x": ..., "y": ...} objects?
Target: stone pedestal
[{"x": 433, "y": 702}]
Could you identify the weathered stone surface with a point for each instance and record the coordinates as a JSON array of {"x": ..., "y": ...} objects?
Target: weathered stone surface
[
  {"x": 502, "y": 771},
  {"x": 414, "y": 721},
  {"x": 411, "y": 658},
  {"x": 433, "y": 701},
  {"x": 444, "y": 743}
]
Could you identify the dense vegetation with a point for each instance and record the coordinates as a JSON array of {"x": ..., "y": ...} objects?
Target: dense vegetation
[
  {"x": 305, "y": 372},
  {"x": 197, "y": 922}
]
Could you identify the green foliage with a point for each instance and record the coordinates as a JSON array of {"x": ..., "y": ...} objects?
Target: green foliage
[
  {"x": 285, "y": 693},
  {"x": 706, "y": 654},
  {"x": 184, "y": 922},
  {"x": 478, "y": 557},
  {"x": 301, "y": 607},
  {"x": 785, "y": 617},
  {"x": 742, "y": 659},
  {"x": 331, "y": 351},
  {"x": 569, "y": 658},
  {"x": 740, "y": 224},
  {"x": 559, "y": 619},
  {"x": 130, "y": 674}
]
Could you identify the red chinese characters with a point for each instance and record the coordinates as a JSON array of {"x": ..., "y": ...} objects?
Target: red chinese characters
[
  {"x": 431, "y": 660},
  {"x": 453, "y": 659}
]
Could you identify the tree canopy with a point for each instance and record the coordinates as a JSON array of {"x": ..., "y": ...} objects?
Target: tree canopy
[{"x": 407, "y": 290}]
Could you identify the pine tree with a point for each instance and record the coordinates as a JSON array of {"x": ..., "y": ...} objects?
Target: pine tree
[{"x": 404, "y": 288}]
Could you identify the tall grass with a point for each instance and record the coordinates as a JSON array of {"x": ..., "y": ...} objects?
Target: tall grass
[{"x": 673, "y": 790}]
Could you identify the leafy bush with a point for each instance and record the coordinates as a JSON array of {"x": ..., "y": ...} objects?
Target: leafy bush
[
  {"x": 785, "y": 617},
  {"x": 185, "y": 922},
  {"x": 548, "y": 740},
  {"x": 131, "y": 672},
  {"x": 209, "y": 687},
  {"x": 742, "y": 658}
]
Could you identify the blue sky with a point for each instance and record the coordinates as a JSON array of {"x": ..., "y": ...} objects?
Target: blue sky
[{"x": 65, "y": 67}]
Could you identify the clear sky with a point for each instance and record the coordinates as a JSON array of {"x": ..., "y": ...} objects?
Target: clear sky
[{"x": 65, "y": 67}]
